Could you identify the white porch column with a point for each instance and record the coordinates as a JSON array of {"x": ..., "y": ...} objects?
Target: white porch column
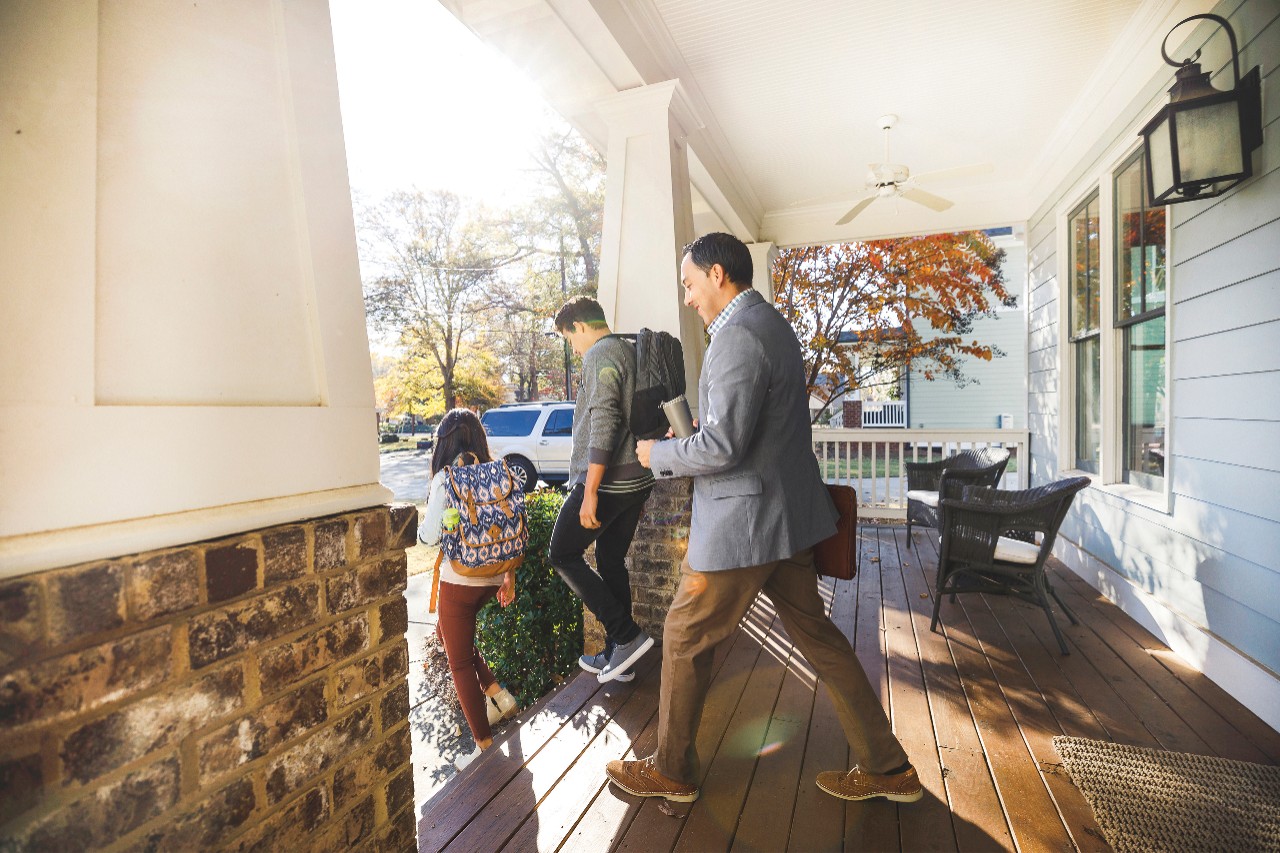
[
  {"x": 762, "y": 257},
  {"x": 182, "y": 337},
  {"x": 648, "y": 218}
]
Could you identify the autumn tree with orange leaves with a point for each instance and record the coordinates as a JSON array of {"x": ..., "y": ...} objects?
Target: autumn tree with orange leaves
[{"x": 864, "y": 310}]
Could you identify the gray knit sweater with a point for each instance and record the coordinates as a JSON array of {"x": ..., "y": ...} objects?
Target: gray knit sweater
[{"x": 603, "y": 412}]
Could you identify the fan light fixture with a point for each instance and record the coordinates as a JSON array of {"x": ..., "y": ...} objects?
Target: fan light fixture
[
  {"x": 889, "y": 180},
  {"x": 1198, "y": 146}
]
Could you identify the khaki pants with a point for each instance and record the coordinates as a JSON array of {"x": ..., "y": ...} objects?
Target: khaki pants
[{"x": 706, "y": 611}]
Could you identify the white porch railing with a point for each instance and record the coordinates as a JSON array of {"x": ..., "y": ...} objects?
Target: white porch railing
[
  {"x": 870, "y": 460},
  {"x": 886, "y": 414}
]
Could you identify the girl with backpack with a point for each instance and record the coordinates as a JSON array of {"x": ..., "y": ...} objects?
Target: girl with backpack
[{"x": 460, "y": 440}]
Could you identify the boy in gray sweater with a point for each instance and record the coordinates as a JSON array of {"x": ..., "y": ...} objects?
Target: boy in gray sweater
[{"x": 608, "y": 488}]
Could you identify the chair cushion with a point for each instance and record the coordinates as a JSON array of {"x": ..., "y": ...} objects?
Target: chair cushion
[
  {"x": 1016, "y": 551},
  {"x": 925, "y": 497}
]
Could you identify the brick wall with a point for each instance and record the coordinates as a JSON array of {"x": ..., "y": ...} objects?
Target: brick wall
[
  {"x": 852, "y": 414},
  {"x": 657, "y": 551},
  {"x": 247, "y": 693}
]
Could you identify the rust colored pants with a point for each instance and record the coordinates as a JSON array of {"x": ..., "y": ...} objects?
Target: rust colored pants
[{"x": 456, "y": 628}]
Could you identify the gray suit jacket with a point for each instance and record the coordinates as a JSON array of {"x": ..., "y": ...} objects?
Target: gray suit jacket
[{"x": 757, "y": 493}]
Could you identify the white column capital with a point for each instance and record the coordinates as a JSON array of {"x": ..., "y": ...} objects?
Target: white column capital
[
  {"x": 648, "y": 217},
  {"x": 762, "y": 257},
  {"x": 637, "y": 110}
]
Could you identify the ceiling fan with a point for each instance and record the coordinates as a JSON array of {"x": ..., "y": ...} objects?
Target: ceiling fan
[{"x": 887, "y": 180}]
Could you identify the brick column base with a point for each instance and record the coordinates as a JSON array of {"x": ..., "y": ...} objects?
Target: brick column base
[
  {"x": 247, "y": 692},
  {"x": 653, "y": 561},
  {"x": 659, "y": 547}
]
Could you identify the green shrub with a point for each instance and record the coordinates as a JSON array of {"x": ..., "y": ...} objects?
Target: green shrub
[{"x": 535, "y": 642}]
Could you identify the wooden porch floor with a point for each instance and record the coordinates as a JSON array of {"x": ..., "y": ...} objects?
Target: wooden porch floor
[{"x": 976, "y": 709}]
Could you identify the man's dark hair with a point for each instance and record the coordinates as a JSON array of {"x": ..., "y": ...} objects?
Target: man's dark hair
[
  {"x": 728, "y": 251},
  {"x": 579, "y": 309}
]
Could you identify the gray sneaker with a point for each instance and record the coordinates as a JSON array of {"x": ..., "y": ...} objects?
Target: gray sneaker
[
  {"x": 595, "y": 663},
  {"x": 623, "y": 657}
]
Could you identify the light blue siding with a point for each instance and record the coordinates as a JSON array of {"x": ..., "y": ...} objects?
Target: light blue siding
[
  {"x": 994, "y": 387},
  {"x": 1214, "y": 557},
  {"x": 998, "y": 386}
]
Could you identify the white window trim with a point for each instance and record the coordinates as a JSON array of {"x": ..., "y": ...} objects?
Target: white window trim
[{"x": 1110, "y": 476}]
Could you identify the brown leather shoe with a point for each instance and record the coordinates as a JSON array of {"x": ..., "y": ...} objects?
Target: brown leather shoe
[
  {"x": 642, "y": 779},
  {"x": 856, "y": 785}
]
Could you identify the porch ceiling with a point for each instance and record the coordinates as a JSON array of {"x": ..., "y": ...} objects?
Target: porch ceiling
[{"x": 788, "y": 95}]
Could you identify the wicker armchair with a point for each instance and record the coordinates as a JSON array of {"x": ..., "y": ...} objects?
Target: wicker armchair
[
  {"x": 929, "y": 482},
  {"x": 983, "y": 548}
]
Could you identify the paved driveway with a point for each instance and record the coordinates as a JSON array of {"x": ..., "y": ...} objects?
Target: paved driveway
[{"x": 407, "y": 474}]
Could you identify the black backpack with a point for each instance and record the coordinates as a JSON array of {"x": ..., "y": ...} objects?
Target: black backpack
[{"x": 659, "y": 378}]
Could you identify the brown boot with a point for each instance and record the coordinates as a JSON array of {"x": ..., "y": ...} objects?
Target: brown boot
[
  {"x": 642, "y": 779},
  {"x": 857, "y": 785}
]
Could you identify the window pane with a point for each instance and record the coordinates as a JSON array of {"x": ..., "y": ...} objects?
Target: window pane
[
  {"x": 1153, "y": 270},
  {"x": 507, "y": 423},
  {"x": 1095, "y": 313},
  {"x": 1129, "y": 240},
  {"x": 1079, "y": 274},
  {"x": 1088, "y": 403},
  {"x": 1083, "y": 264},
  {"x": 1140, "y": 261},
  {"x": 1145, "y": 399},
  {"x": 559, "y": 422}
]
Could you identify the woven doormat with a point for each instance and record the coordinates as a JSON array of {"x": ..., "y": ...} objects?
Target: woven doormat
[{"x": 1148, "y": 799}]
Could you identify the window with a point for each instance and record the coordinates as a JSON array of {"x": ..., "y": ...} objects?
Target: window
[
  {"x": 1140, "y": 315},
  {"x": 1085, "y": 332},
  {"x": 498, "y": 422},
  {"x": 559, "y": 422}
]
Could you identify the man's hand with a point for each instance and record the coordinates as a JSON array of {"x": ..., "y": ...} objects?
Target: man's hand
[
  {"x": 642, "y": 451},
  {"x": 671, "y": 433},
  {"x": 587, "y": 512}
]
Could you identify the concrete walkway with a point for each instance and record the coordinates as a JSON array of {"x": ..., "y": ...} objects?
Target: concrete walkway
[{"x": 440, "y": 734}]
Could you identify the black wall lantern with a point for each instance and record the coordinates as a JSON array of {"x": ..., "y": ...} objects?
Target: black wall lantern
[{"x": 1198, "y": 146}]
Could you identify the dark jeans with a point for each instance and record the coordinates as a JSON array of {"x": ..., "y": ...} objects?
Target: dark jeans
[{"x": 607, "y": 594}]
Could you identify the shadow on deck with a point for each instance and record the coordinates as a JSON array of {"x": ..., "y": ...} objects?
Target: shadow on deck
[{"x": 976, "y": 708}]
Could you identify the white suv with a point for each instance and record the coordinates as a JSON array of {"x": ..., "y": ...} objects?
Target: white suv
[{"x": 536, "y": 439}]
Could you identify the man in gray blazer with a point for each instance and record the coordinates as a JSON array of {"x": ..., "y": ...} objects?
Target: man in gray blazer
[{"x": 759, "y": 507}]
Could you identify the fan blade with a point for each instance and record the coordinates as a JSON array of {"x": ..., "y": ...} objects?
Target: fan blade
[
  {"x": 919, "y": 196},
  {"x": 857, "y": 208},
  {"x": 954, "y": 172}
]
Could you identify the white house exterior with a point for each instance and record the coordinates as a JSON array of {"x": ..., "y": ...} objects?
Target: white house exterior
[
  {"x": 755, "y": 114},
  {"x": 999, "y": 386},
  {"x": 192, "y": 532},
  {"x": 1194, "y": 555}
]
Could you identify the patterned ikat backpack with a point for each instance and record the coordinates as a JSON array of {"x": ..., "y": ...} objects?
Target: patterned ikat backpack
[{"x": 493, "y": 530}]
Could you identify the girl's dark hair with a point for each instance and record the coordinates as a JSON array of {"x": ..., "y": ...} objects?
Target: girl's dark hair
[{"x": 459, "y": 432}]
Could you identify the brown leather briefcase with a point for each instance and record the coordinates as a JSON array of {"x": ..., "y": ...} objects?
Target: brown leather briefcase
[{"x": 837, "y": 556}]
